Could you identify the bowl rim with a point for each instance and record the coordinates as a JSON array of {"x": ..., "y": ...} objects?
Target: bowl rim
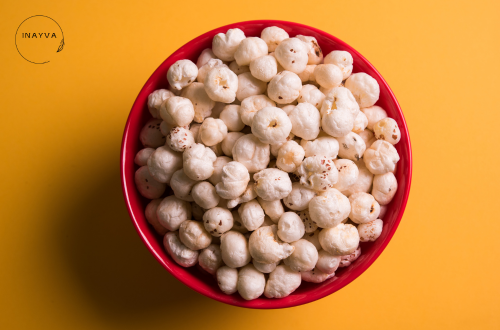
[{"x": 275, "y": 303}]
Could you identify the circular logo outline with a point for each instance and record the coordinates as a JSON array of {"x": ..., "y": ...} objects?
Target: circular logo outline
[{"x": 61, "y": 46}]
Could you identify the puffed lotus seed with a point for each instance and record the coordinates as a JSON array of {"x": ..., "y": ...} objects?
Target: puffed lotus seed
[
  {"x": 251, "y": 282},
  {"x": 360, "y": 123},
  {"x": 178, "y": 251},
  {"x": 387, "y": 129},
  {"x": 343, "y": 60},
  {"x": 230, "y": 115},
  {"x": 251, "y": 214},
  {"x": 306, "y": 121},
  {"x": 348, "y": 173},
  {"x": 234, "y": 180},
  {"x": 247, "y": 196},
  {"x": 273, "y": 36},
  {"x": 141, "y": 158},
  {"x": 210, "y": 259},
  {"x": 327, "y": 263},
  {"x": 156, "y": 99},
  {"x": 348, "y": 259},
  {"x": 364, "y": 208},
  {"x": 224, "y": 45},
  {"x": 181, "y": 74},
  {"x": 381, "y": 157},
  {"x": 312, "y": 95},
  {"x": 266, "y": 247},
  {"x": 299, "y": 197},
  {"x": 198, "y": 162},
  {"x": 237, "y": 69},
  {"x": 218, "y": 221},
  {"x": 251, "y": 105},
  {"x": 292, "y": 54},
  {"x": 179, "y": 139},
  {"x": 252, "y": 153},
  {"x": 364, "y": 87},
  {"x": 290, "y": 227},
  {"x": 272, "y": 184},
  {"x": 363, "y": 183},
  {"x": 340, "y": 240},
  {"x": 204, "y": 194},
  {"x": 227, "y": 279},
  {"x": 282, "y": 282},
  {"x": 315, "y": 276},
  {"x": 248, "y": 86},
  {"x": 318, "y": 173},
  {"x": 274, "y": 209},
  {"x": 250, "y": 49},
  {"x": 206, "y": 55},
  {"x": 369, "y": 232},
  {"x": 284, "y": 88},
  {"x": 202, "y": 72},
  {"x": 193, "y": 235},
  {"x": 322, "y": 146},
  {"x": 374, "y": 114},
  {"x": 265, "y": 268},
  {"x": 234, "y": 247},
  {"x": 219, "y": 163},
  {"x": 212, "y": 131},
  {"x": 177, "y": 111},
  {"x": 351, "y": 146},
  {"x": 172, "y": 212},
  {"x": 152, "y": 217},
  {"x": 328, "y": 75},
  {"x": 150, "y": 135},
  {"x": 314, "y": 52},
  {"x": 384, "y": 188},
  {"x": 313, "y": 238},
  {"x": 329, "y": 209},
  {"x": 271, "y": 125},
  {"x": 309, "y": 225},
  {"x": 221, "y": 84},
  {"x": 290, "y": 156},
  {"x": 182, "y": 185},
  {"x": 147, "y": 185},
  {"x": 228, "y": 143},
  {"x": 264, "y": 68},
  {"x": 202, "y": 104}
]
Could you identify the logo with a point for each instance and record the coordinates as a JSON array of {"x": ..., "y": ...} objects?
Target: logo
[{"x": 39, "y": 39}]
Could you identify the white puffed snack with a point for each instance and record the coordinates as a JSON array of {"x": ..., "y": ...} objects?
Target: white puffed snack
[
  {"x": 181, "y": 74},
  {"x": 210, "y": 259},
  {"x": 155, "y": 100},
  {"x": 327, "y": 263},
  {"x": 265, "y": 268},
  {"x": 218, "y": 221},
  {"x": 237, "y": 225},
  {"x": 387, "y": 129},
  {"x": 228, "y": 143},
  {"x": 348, "y": 173},
  {"x": 165, "y": 128},
  {"x": 309, "y": 225},
  {"x": 234, "y": 248},
  {"x": 212, "y": 131},
  {"x": 374, "y": 114},
  {"x": 193, "y": 235},
  {"x": 264, "y": 68},
  {"x": 198, "y": 162},
  {"x": 251, "y": 105},
  {"x": 364, "y": 87},
  {"x": 230, "y": 115},
  {"x": 274, "y": 209},
  {"x": 251, "y": 282},
  {"x": 248, "y": 86},
  {"x": 364, "y": 208},
  {"x": 179, "y": 139},
  {"x": 364, "y": 181},
  {"x": 304, "y": 257},
  {"x": 369, "y": 232},
  {"x": 329, "y": 209},
  {"x": 273, "y": 36},
  {"x": 204, "y": 194},
  {"x": 284, "y": 87},
  {"x": 152, "y": 217},
  {"x": 384, "y": 188},
  {"x": 247, "y": 196},
  {"x": 299, "y": 197},
  {"x": 234, "y": 180},
  {"x": 322, "y": 146},
  {"x": 292, "y": 54},
  {"x": 340, "y": 98},
  {"x": 172, "y": 212},
  {"x": 249, "y": 49},
  {"x": 141, "y": 158},
  {"x": 217, "y": 149},
  {"x": 328, "y": 75},
  {"x": 224, "y": 45},
  {"x": 282, "y": 282},
  {"x": 352, "y": 146},
  {"x": 290, "y": 156},
  {"x": 271, "y": 125},
  {"x": 178, "y": 251},
  {"x": 315, "y": 276},
  {"x": 343, "y": 60},
  {"x": 314, "y": 52},
  {"x": 147, "y": 185},
  {"x": 275, "y": 147},
  {"x": 252, "y": 153},
  {"x": 200, "y": 100},
  {"x": 251, "y": 214},
  {"x": 150, "y": 135},
  {"x": 272, "y": 184},
  {"x": 266, "y": 247},
  {"x": 219, "y": 164},
  {"x": 306, "y": 121},
  {"x": 290, "y": 227},
  {"x": 340, "y": 240},
  {"x": 197, "y": 211},
  {"x": 381, "y": 157},
  {"x": 312, "y": 95},
  {"x": 318, "y": 173},
  {"x": 337, "y": 123},
  {"x": 221, "y": 84},
  {"x": 177, "y": 111},
  {"x": 313, "y": 238},
  {"x": 360, "y": 123},
  {"x": 237, "y": 68},
  {"x": 348, "y": 259},
  {"x": 203, "y": 71},
  {"x": 182, "y": 185},
  {"x": 227, "y": 279},
  {"x": 308, "y": 74},
  {"x": 205, "y": 56}
]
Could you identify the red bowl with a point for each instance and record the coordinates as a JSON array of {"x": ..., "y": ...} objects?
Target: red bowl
[{"x": 202, "y": 282}]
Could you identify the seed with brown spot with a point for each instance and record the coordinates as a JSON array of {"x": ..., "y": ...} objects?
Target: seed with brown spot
[
  {"x": 394, "y": 136},
  {"x": 280, "y": 97}
]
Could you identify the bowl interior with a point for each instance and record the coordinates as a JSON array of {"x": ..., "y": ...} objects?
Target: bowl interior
[{"x": 205, "y": 283}]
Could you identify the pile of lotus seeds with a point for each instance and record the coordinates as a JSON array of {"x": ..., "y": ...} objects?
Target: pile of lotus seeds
[{"x": 279, "y": 161}]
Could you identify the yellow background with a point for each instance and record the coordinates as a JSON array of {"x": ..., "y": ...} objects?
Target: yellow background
[{"x": 69, "y": 255}]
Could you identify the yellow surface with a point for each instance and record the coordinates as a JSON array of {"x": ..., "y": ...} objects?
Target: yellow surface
[{"x": 69, "y": 255}]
